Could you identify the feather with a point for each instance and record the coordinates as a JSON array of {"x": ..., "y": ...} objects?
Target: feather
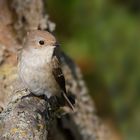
[{"x": 59, "y": 77}]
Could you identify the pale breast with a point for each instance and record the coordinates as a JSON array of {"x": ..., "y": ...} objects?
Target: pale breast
[{"x": 37, "y": 76}]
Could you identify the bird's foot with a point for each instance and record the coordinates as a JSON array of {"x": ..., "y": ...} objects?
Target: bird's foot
[
  {"x": 28, "y": 95},
  {"x": 53, "y": 102}
]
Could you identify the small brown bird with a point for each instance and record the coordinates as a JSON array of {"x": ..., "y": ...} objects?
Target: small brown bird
[{"x": 39, "y": 66}]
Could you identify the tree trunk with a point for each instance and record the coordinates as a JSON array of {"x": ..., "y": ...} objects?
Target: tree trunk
[{"x": 30, "y": 118}]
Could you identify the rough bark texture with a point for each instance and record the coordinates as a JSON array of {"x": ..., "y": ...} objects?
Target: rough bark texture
[
  {"x": 30, "y": 118},
  {"x": 24, "y": 119}
]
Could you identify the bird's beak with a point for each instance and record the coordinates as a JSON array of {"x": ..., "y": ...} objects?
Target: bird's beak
[{"x": 57, "y": 45}]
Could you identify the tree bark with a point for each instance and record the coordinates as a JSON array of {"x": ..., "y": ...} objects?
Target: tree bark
[{"x": 31, "y": 117}]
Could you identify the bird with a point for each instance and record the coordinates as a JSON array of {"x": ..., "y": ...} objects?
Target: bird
[{"x": 39, "y": 66}]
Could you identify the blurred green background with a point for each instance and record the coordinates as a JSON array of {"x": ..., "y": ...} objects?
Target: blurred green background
[{"x": 103, "y": 37}]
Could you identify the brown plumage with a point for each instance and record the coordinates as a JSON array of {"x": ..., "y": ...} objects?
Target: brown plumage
[{"x": 39, "y": 66}]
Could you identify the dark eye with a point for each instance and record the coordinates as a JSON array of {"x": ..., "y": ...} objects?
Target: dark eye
[{"x": 41, "y": 42}]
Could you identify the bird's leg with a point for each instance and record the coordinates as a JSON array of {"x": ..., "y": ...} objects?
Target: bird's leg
[
  {"x": 52, "y": 107},
  {"x": 54, "y": 103}
]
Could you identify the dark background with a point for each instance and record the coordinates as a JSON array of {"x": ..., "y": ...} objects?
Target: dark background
[{"x": 103, "y": 37}]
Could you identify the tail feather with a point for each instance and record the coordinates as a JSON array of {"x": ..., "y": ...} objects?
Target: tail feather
[{"x": 68, "y": 102}]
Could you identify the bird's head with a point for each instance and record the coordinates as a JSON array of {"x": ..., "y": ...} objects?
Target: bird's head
[
  {"x": 38, "y": 39},
  {"x": 40, "y": 43}
]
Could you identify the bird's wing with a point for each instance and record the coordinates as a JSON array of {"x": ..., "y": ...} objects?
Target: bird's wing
[
  {"x": 59, "y": 77},
  {"x": 58, "y": 74}
]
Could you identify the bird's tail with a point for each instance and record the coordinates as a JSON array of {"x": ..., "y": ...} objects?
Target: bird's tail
[{"x": 68, "y": 102}]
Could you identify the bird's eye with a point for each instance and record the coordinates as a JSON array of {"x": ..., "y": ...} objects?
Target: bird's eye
[{"x": 41, "y": 42}]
